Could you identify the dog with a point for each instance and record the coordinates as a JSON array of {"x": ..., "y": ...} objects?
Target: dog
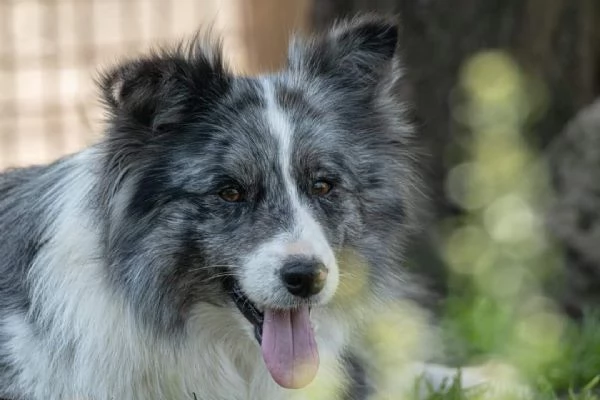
[{"x": 201, "y": 249}]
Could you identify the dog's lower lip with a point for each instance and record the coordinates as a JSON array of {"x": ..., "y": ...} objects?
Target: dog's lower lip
[{"x": 247, "y": 308}]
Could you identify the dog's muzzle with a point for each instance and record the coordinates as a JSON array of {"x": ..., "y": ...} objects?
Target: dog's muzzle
[{"x": 286, "y": 336}]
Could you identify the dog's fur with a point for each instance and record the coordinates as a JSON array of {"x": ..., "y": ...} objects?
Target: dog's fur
[{"x": 113, "y": 259}]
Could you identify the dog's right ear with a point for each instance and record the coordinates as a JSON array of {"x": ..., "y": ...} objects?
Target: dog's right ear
[
  {"x": 153, "y": 91},
  {"x": 135, "y": 90}
]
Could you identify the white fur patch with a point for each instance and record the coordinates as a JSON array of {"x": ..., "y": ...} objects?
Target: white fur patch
[{"x": 260, "y": 277}]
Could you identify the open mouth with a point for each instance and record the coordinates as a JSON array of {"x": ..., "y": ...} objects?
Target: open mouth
[
  {"x": 248, "y": 310},
  {"x": 286, "y": 338}
]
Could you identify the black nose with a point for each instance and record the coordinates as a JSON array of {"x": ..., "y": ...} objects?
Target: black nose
[{"x": 304, "y": 278}]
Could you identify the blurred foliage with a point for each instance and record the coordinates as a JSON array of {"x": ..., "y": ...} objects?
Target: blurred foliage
[
  {"x": 500, "y": 257},
  {"x": 498, "y": 251}
]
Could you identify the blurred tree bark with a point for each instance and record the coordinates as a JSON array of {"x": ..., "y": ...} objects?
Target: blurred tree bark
[
  {"x": 575, "y": 215},
  {"x": 557, "y": 42}
]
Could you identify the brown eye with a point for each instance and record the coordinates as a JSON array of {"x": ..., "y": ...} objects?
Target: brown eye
[
  {"x": 231, "y": 195},
  {"x": 320, "y": 188}
]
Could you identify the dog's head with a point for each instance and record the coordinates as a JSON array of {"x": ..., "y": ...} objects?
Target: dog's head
[{"x": 219, "y": 187}]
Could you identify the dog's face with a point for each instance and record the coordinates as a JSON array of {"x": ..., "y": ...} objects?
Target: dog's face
[{"x": 221, "y": 187}]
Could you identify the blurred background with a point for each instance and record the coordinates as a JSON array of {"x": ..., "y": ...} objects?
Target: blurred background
[
  {"x": 504, "y": 94},
  {"x": 51, "y": 49}
]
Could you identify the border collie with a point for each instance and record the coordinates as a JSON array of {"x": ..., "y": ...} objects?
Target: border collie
[{"x": 202, "y": 247}]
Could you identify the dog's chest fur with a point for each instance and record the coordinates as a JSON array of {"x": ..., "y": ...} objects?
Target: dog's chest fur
[
  {"x": 210, "y": 367},
  {"x": 220, "y": 361}
]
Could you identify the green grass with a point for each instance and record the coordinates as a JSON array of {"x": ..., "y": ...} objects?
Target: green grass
[
  {"x": 578, "y": 366},
  {"x": 453, "y": 391},
  {"x": 573, "y": 374}
]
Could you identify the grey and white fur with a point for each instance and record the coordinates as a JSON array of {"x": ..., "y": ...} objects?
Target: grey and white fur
[{"x": 115, "y": 259}]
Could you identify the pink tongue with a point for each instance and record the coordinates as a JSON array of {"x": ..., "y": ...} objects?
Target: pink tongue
[{"x": 289, "y": 348}]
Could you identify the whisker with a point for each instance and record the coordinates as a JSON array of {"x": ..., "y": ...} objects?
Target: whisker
[
  {"x": 218, "y": 276},
  {"x": 209, "y": 267}
]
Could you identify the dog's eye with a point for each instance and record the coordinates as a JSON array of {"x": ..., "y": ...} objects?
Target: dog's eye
[
  {"x": 320, "y": 188},
  {"x": 231, "y": 195}
]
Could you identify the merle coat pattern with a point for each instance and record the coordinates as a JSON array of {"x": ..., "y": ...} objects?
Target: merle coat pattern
[{"x": 115, "y": 260}]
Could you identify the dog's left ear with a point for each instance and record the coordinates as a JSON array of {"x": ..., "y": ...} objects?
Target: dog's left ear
[{"x": 363, "y": 49}]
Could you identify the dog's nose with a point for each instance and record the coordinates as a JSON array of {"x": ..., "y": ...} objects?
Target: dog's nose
[{"x": 304, "y": 278}]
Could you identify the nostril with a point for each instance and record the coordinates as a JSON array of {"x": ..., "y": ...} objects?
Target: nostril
[
  {"x": 293, "y": 280},
  {"x": 304, "y": 278}
]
